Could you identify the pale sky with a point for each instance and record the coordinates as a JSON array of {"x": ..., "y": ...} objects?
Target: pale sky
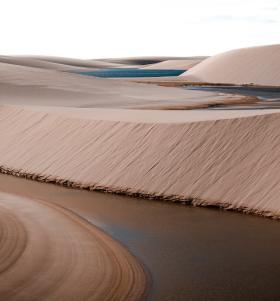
[{"x": 121, "y": 28}]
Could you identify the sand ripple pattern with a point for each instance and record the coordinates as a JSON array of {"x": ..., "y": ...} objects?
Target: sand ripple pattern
[
  {"x": 48, "y": 253},
  {"x": 231, "y": 163}
]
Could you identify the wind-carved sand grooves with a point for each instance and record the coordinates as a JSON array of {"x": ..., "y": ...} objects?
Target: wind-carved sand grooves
[
  {"x": 48, "y": 253},
  {"x": 225, "y": 159}
]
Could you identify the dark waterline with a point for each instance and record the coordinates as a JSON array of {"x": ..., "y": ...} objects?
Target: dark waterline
[
  {"x": 129, "y": 72},
  {"x": 191, "y": 253},
  {"x": 262, "y": 93}
]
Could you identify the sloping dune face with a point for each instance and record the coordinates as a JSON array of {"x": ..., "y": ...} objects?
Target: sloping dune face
[
  {"x": 232, "y": 162},
  {"x": 175, "y": 64},
  {"x": 256, "y": 65}
]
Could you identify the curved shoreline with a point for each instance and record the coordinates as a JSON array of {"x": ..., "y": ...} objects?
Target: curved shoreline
[
  {"x": 171, "y": 198},
  {"x": 68, "y": 257},
  {"x": 194, "y": 253}
]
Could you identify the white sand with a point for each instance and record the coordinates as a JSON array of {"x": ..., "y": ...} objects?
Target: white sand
[
  {"x": 55, "y": 132},
  {"x": 175, "y": 64},
  {"x": 232, "y": 162},
  {"x": 256, "y": 65}
]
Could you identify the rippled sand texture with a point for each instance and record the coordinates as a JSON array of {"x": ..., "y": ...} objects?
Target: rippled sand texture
[
  {"x": 231, "y": 162},
  {"x": 255, "y": 65},
  {"x": 48, "y": 253}
]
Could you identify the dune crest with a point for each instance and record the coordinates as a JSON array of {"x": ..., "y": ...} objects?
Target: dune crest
[
  {"x": 231, "y": 162},
  {"x": 255, "y": 65}
]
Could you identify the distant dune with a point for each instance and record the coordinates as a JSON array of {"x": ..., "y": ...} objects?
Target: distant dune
[
  {"x": 256, "y": 65},
  {"x": 146, "y": 60},
  {"x": 175, "y": 64},
  {"x": 78, "y": 63},
  {"x": 37, "y": 86},
  {"x": 55, "y": 63}
]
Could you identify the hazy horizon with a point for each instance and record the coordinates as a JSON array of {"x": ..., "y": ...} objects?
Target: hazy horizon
[{"x": 108, "y": 29}]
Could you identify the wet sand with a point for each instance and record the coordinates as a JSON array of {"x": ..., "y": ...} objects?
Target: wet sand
[
  {"x": 191, "y": 253},
  {"x": 49, "y": 253},
  {"x": 268, "y": 98}
]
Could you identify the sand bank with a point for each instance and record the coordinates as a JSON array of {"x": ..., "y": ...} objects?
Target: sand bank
[
  {"x": 49, "y": 253},
  {"x": 231, "y": 162},
  {"x": 255, "y": 65}
]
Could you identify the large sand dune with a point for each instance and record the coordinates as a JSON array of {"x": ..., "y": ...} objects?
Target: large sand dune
[
  {"x": 256, "y": 65},
  {"x": 48, "y": 253},
  {"x": 138, "y": 139},
  {"x": 228, "y": 159}
]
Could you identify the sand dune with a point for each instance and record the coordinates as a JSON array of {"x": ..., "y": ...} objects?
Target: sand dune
[
  {"x": 140, "y": 139},
  {"x": 36, "y": 63},
  {"x": 37, "y": 86},
  {"x": 146, "y": 60},
  {"x": 77, "y": 63},
  {"x": 60, "y": 64},
  {"x": 175, "y": 64},
  {"x": 229, "y": 159},
  {"x": 256, "y": 65},
  {"x": 48, "y": 253}
]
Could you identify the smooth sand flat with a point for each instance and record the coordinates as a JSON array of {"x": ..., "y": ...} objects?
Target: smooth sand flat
[
  {"x": 255, "y": 65},
  {"x": 49, "y": 253}
]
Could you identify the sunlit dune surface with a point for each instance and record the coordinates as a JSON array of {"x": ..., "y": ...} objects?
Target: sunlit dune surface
[
  {"x": 255, "y": 65},
  {"x": 226, "y": 160}
]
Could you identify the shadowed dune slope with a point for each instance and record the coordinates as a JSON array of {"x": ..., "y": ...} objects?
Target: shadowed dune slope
[
  {"x": 48, "y": 253},
  {"x": 231, "y": 162},
  {"x": 256, "y": 65}
]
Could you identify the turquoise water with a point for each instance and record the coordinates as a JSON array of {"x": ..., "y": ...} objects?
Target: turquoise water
[{"x": 117, "y": 73}]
